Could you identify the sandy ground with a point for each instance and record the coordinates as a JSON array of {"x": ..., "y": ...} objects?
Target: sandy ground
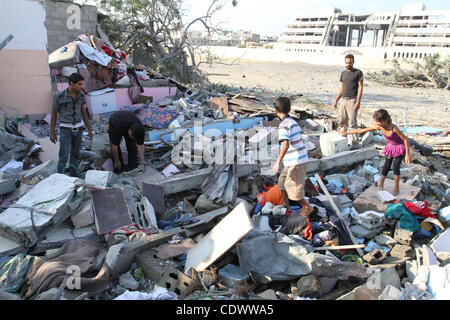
[{"x": 320, "y": 83}]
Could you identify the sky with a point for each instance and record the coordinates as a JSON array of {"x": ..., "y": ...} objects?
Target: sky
[{"x": 270, "y": 17}]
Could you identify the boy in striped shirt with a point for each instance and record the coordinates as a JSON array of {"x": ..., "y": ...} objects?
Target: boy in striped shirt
[{"x": 294, "y": 155}]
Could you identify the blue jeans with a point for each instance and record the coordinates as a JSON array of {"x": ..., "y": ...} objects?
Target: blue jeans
[{"x": 69, "y": 143}]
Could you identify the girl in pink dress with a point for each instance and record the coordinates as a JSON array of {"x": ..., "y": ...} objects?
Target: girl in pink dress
[{"x": 397, "y": 147}]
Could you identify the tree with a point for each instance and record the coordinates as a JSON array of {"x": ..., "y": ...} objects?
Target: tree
[
  {"x": 156, "y": 33},
  {"x": 432, "y": 72}
]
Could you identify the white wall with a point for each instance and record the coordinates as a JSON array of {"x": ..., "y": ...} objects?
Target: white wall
[{"x": 24, "y": 19}]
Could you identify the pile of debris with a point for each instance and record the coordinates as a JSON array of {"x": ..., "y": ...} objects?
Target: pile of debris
[{"x": 192, "y": 226}]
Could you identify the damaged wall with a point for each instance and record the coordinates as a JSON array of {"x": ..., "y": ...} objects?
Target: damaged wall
[
  {"x": 57, "y": 25},
  {"x": 25, "y": 80}
]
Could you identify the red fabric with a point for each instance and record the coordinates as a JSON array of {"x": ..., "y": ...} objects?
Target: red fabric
[
  {"x": 420, "y": 208},
  {"x": 307, "y": 234}
]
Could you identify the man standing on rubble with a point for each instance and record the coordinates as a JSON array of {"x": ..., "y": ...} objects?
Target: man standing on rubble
[
  {"x": 70, "y": 106},
  {"x": 351, "y": 92},
  {"x": 126, "y": 124}
]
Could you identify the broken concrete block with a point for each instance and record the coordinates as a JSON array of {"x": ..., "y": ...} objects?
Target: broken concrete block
[
  {"x": 346, "y": 158},
  {"x": 402, "y": 251},
  {"x": 206, "y": 222},
  {"x": 445, "y": 213},
  {"x": 203, "y": 204},
  {"x": 58, "y": 236},
  {"x": 361, "y": 232},
  {"x": 332, "y": 143},
  {"x": 371, "y": 220},
  {"x": 327, "y": 284},
  {"x": 8, "y": 296},
  {"x": 110, "y": 210},
  {"x": 120, "y": 256},
  {"x": 268, "y": 295},
  {"x": 374, "y": 286},
  {"x": 248, "y": 206},
  {"x": 367, "y": 138},
  {"x": 49, "y": 198},
  {"x": 84, "y": 217},
  {"x": 375, "y": 256},
  {"x": 385, "y": 240},
  {"x": 127, "y": 281},
  {"x": 8, "y": 247},
  {"x": 390, "y": 293},
  {"x": 330, "y": 266},
  {"x": 231, "y": 275},
  {"x": 45, "y": 170},
  {"x": 7, "y": 185},
  {"x": 220, "y": 239},
  {"x": 165, "y": 274},
  {"x": 274, "y": 256},
  {"x": 441, "y": 243},
  {"x": 99, "y": 179},
  {"x": 411, "y": 269},
  {"x": 309, "y": 286},
  {"x": 402, "y": 236},
  {"x": 172, "y": 250},
  {"x": 385, "y": 196}
]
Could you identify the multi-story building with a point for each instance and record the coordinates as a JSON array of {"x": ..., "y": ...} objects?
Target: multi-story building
[{"x": 413, "y": 32}]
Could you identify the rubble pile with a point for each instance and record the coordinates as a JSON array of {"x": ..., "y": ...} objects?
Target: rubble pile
[{"x": 193, "y": 225}]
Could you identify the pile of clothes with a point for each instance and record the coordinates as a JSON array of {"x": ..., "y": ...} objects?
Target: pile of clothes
[{"x": 100, "y": 64}]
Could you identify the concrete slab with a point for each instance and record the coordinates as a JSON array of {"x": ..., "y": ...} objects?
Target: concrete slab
[
  {"x": 231, "y": 275},
  {"x": 368, "y": 200},
  {"x": 100, "y": 142},
  {"x": 99, "y": 179},
  {"x": 194, "y": 180},
  {"x": 220, "y": 239},
  {"x": 83, "y": 218},
  {"x": 49, "y": 150},
  {"x": 172, "y": 250},
  {"x": 54, "y": 194},
  {"x": 165, "y": 273},
  {"x": 7, "y": 185},
  {"x": 45, "y": 170},
  {"x": 62, "y": 234},
  {"x": 8, "y": 247},
  {"x": 347, "y": 158}
]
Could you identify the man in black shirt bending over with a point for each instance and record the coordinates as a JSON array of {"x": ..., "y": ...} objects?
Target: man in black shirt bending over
[
  {"x": 126, "y": 124},
  {"x": 351, "y": 92}
]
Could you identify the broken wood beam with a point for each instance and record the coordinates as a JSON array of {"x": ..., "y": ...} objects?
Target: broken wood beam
[
  {"x": 358, "y": 246},
  {"x": 344, "y": 222}
]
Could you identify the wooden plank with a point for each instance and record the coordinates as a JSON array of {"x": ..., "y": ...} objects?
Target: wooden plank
[
  {"x": 344, "y": 222},
  {"x": 359, "y": 246},
  {"x": 49, "y": 150},
  {"x": 220, "y": 239},
  {"x": 155, "y": 194},
  {"x": 110, "y": 210}
]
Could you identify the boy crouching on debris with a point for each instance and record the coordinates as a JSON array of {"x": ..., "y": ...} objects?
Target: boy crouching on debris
[{"x": 294, "y": 155}]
